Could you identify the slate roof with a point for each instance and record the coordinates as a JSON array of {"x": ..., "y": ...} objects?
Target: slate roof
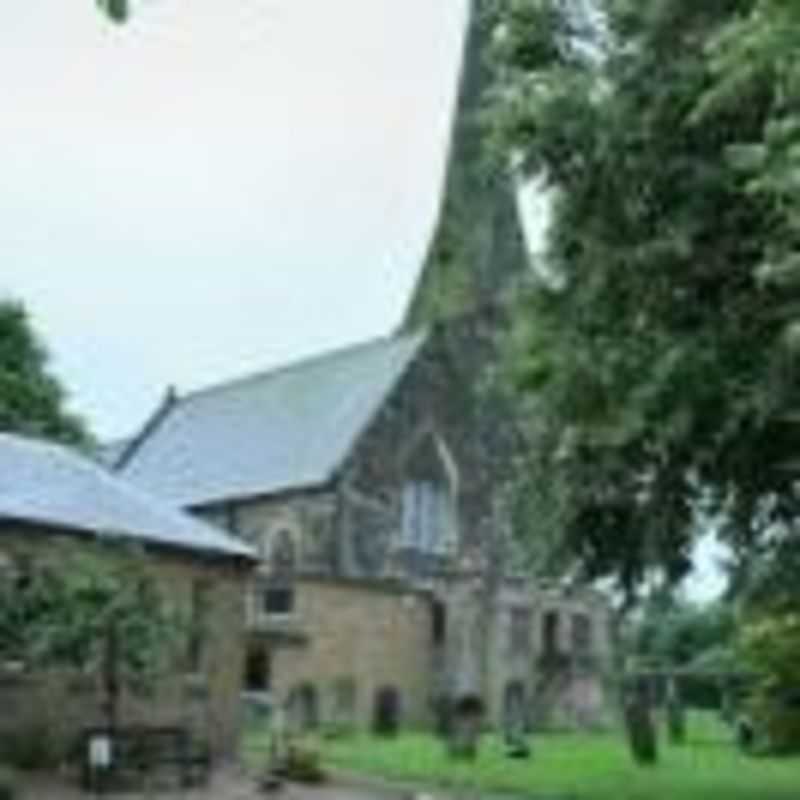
[
  {"x": 289, "y": 428},
  {"x": 50, "y": 485}
]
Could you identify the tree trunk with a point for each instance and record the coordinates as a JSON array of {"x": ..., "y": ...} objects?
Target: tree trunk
[{"x": 111, "y": 678}]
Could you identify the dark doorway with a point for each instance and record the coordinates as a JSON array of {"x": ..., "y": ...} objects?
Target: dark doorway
[
  {"x": 551, "y": 633},
  {"x": 258, "y": 669},
  {"x": 438, "y": 623},
  {"x": 386, "y": 720}
]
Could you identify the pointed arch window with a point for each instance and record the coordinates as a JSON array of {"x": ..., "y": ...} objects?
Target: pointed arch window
[{"x": 428, "y": 502}]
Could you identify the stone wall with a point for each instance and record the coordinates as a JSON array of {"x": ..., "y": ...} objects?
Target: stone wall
[
  {"x": 371, "y": 635},
  {"x": 447, "y": 397},
  {"x": 447, "y": 408},
  {"x": 207, "y": 701},
  {"x": 565, "y": 687},
  {"x": 310, "y": 517}
]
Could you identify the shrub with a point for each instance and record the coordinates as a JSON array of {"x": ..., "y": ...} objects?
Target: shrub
[
  {"x": 302, "y": 763},
  {"x": 7, "y": 785},
  {"x": 772, "y": 646},
  {"x": 31, "y": 746}
]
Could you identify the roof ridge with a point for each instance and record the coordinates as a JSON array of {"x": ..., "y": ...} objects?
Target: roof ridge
[
  {"x": 301, "y": 363},
  {"x": 70, "y": 459}
]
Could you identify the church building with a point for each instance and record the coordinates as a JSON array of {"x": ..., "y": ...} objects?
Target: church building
[{"x": 373, "y": 482}]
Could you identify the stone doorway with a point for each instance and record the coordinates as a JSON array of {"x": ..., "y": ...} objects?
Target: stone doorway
[{"x": 258, "y": 669}]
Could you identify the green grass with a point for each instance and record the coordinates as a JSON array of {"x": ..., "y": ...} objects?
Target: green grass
[{"x": 584, "y": 767}]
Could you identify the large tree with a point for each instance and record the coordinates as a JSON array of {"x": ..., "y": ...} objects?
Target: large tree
[
  {"x": 32, "y": 401},
  {"x": 662, "y": 364}
]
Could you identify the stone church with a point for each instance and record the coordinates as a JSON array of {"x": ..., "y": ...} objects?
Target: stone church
[{"x": 372, "y": 481}]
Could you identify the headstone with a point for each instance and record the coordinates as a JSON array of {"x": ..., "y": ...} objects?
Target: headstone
[
  {"x": 676, "y": 714},
  {"x": 466, "y": 724},
  {"x": 515, "y": 721},
  {"x": 639, "y": 725}
]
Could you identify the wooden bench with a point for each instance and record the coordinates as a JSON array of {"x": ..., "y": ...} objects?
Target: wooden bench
[{"x": 139, "y": 751}]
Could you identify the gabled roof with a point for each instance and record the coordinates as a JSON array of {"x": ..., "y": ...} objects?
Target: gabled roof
[
  {"x": 46, "y": 484},
  {"x": 290, "y": 428},
  {"x": 109, "y": 453}
]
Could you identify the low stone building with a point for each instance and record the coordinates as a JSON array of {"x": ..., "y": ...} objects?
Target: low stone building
[{"x": 55, "y": 504}]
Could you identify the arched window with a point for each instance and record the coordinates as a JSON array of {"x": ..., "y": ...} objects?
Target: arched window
[
  {"x": 551, "y": 634},
  {"x": 387, "y": 713},
  {"x": 283, "y": 555},
  {"x": 429, "y": 519}
]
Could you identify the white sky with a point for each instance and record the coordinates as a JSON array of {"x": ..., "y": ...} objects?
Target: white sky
[
  {"x": 218, "y": 186},
  {"x": 221, "y": 185}
]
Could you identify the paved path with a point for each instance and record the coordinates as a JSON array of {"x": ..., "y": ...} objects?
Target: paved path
[{"x": 232, "y": 785}]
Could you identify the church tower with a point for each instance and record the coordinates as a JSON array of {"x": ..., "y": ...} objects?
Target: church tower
[{"x": 477, "y": 247}]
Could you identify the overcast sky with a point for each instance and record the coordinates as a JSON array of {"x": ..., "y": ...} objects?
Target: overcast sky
[{"x": 218, "y": 186}]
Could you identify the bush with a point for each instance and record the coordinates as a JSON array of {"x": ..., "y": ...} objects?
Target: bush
[
  {"x": 302, "y": 763},
  {"x": 772, "y": 647},
  {"x": 31, "y": 746},
  {"x": 8, "y": 789},
  {"x": 776, "y": 718}
]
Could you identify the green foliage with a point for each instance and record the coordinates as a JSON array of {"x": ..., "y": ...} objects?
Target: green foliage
[
  {"x": 117, "y": 11},
  {"x": 676, "y": 633},
  {"x": 31, "y": 746},
  {"x": 658, "y": 355},
  {"x": 303, "y": 762},
  {"x": 8, "y": 789},
  {"x": 32, "y": 401},
  {"x": 95, "y": 610},
  {"x": 771, "y": 646}
]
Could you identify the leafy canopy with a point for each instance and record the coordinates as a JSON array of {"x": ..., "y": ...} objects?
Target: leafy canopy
[
  {"x": 661, "y": 366},
  {"x": 96, "y": 610},
  {"x": 32, "y": 401}
]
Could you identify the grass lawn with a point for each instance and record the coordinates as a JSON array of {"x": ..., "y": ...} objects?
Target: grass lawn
[{"x": 584, "y": 767}]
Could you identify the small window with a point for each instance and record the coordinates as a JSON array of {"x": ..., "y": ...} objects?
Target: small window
[
  {"x": 581, "y": 633},
  {"x": 520, "y": 623},
  {"x": 426, "y": 516},
  {"x": 258, "y": 669},
  {"x": 278, "y": 600},
  {"x": 283, "y": 551},
  {"x": 438, "y": 623},
  {"x": 550, "y": 633}
]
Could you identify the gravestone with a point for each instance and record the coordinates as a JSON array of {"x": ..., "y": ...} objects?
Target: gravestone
[
  {"x": 515, "y": 721},
  {"x": 303, "y": 709},
  {"x": 639, "y": 725},
  {"x": 465, "y": 729},
  {"x": 676, "y": 714}
]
